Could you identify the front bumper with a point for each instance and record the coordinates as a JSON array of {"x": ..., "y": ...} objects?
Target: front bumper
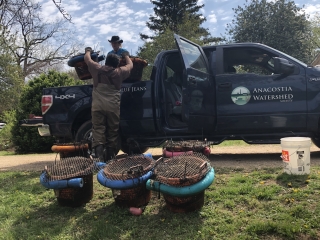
[{"x": 43, "y": 129}]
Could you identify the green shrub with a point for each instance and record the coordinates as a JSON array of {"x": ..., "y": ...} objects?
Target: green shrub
[
  {"x": 27, "y": 139},
  {"x": 5, "y": 134}
]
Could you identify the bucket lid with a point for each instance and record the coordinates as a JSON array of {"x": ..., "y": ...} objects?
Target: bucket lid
[{"x": 295, "y": 139}]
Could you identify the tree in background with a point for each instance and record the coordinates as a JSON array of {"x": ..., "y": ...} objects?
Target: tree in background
[
  {"x": 27, "y": 139},
  {"x": 170, "y": 14},
  {"x": 11, "y": 83},
  {"x": 165, "y": 41},
  {"x": 5, "y": 133},
  {"x": 279, "y": 24},
  {"x": 34, "y": 43},
  {"x": 315, "y": 24}
]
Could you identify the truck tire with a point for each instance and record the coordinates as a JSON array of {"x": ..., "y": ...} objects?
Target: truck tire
[
  {"x": 316, "y": 141},
  {"x": 84, "y": 134}
]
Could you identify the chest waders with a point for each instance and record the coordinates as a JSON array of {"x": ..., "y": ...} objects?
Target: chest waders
[{"x": 105, "y": 114}]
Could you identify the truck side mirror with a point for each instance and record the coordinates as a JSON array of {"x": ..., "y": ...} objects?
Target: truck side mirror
[{"x": 282, "y": 66}]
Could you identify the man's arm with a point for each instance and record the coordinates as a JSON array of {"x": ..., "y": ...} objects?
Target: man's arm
[
  {"x": 129, "y": 63},
  {"x": 126, "y": 69},
  {"x": 87, "y": 55}
]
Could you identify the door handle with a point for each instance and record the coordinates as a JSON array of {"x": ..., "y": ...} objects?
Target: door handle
[{"x": 225, "y": 85}]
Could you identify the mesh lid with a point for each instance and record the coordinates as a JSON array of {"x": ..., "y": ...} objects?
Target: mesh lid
[
  {"x": 130, "y": 167},
  {"x": 70, "y": 167},
  {"x": 182, "y": 170}
]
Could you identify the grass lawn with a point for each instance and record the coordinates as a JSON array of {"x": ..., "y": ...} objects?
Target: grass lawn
[
  {"x": 7, "y": 153},
  {"x": 264, "y": 204}
]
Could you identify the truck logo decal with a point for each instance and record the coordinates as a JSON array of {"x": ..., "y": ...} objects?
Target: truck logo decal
[
  {"x": 287, "y": 97},
  {"x": 272, "y": 89},
  {"x": 65, "y": 96},
  {"x": 240, "y": 95}
]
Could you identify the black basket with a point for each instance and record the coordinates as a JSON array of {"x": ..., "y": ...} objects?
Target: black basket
[
  {"x": 76, "y": 197},
  {"x": 81, "y": 67},
  {"x": 82, "y": 71},
  {"x": 137, "y": 70},
  {"x": 133, "y": 197},
  {"x": 184, "y": 204}
]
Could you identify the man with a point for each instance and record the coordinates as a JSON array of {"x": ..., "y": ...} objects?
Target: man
[
  {"x": 116, "y": 44},
  {"x": 105, "y": 110}
]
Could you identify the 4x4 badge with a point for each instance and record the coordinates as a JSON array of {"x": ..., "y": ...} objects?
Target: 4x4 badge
[
  {"x": 68, "y": 96},
  {"x": 240, "y": 95}
]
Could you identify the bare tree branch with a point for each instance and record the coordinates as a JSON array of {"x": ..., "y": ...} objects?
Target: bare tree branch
[
  {"x": 66, "y": 15},
  {"x": 36, "y": 44}
]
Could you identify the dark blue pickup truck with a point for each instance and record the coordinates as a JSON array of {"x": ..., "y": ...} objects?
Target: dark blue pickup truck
[{"x": 245, "y": 91}]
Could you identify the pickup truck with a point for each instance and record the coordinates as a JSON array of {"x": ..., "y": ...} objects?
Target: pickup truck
[{"x": 240, "y": 91}]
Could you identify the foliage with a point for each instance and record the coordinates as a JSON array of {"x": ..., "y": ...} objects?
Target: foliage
[
  {"x": 11, "y": 82},
  {"x": 6, "y": 153},
  {"x": 171, "y": 14},
  {"x": 165, "y": 41},
  {"x": 315, "y": 24},
  {"x": 27, "y": 139},
  {"x": 238, "y": 205},
  {"x": 5, "y": 134},
  {"x": 279, "y": 24}
]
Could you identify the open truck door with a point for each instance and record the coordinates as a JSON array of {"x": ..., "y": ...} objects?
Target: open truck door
[{"x": 198, "y": 91}]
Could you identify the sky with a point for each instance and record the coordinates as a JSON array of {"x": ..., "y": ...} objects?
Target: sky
[{"x": 96, "y": 21}]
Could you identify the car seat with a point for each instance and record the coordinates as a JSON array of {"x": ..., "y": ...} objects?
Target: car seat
[
  {"x": 173, "y": 94},
  {"x": 231, "y": 69}
]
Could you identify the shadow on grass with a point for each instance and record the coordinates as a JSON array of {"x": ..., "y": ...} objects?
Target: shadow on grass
[
  {"x": 101, "y": 218},
  {"x": 292, "y": 181},
  {"x": 107, "y": 221}
]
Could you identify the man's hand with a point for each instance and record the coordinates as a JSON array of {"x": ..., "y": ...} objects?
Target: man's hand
[
  {"x": 124, "y": 54},
  {"x": 88, "y": 49}
]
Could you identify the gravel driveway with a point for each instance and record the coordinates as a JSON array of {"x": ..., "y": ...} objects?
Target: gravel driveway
[{"x": 245, "y": 157}]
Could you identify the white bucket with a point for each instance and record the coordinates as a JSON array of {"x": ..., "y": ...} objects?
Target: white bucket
[{"x": 296, "y": 155}]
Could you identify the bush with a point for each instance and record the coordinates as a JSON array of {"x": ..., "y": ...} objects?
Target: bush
[
  {"x": 27, "y": 139},
  {"x": 5, "y": 134}
]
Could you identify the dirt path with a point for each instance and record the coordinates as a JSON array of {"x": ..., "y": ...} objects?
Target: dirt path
[{"x": 246, "y": 157}]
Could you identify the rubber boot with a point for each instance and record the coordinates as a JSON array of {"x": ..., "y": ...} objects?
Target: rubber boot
[
  {"x": 99, "y": 152},
  {"x": 110, "y": 153}
]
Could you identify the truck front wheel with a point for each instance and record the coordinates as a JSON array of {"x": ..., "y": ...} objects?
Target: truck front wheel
[{"x": 84, "y": 133}]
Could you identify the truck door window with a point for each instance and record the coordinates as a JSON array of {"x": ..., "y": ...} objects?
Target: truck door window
[
  {"x": 243, "y": 60},
  {"x": 194, "y": 57}
]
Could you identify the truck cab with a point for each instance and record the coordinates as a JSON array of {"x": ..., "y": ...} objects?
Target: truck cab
[{"x": 245, "y": 91}]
